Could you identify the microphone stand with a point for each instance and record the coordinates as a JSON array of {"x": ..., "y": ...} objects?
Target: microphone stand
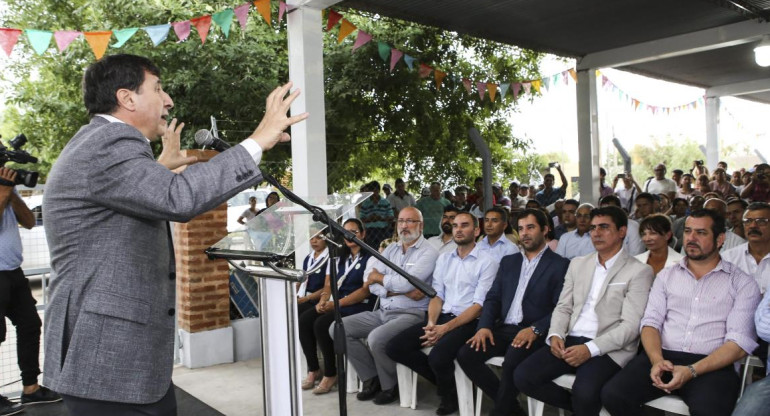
[{"x": 335, "y": 231}]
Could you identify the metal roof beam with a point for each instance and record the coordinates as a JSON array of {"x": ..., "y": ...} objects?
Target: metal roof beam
[
  {"x": 688, "y": 43},
  {"x": 313, "y": 4},
  {"x": 739, "y": 88}
]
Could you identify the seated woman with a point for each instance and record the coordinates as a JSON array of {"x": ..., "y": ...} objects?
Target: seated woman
[
  {"x": 655, "y": 232},
  {"x": 310, "y": 292},
  {"x": 354, "y": 298}
]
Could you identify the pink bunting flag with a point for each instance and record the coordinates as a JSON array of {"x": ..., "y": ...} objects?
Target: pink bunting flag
[
  {"x": 281, "y": 10},
  {"x": 564, "y": 76},
  {"x": 515, "y": 90},
  {"x": 64, "y": 38},
  {"x": 424, "y": 71},
  {"x": 482, "y": 88},
  {"x": 467, "y": 84},
  {"x": 527, "y": 86},
  {"x": 395, "y": 55},
  {"x": 605, "y": 81},
  {"x": 8, "y": 39},
  {"x": 182, "y": 30},
  {"x": 361, "y": 39},
  {"x": 242, "y": 14}
]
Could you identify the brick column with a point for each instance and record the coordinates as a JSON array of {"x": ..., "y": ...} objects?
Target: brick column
[{"x": 202, "y": 285}]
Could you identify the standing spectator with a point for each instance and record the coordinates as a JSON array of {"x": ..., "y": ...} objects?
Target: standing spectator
[
  {"x": 377, "y": 215},
  {"x": 731, "y": 239},
  {"x": 250, "y": 212},
  {"x": 517, "y": 201},
  {"x": 495, "y": 223},
  {"x": 477, "y": 197},
  {"x": 502, "y": 200},
  {"x": 676, "y": 176},
  {"x": 758, "y": 189},
  {"x": 604, "y": 189},
  {"x": 703, "y": 185},
  {"x": 722, "y": 185},
  {"x": 400, "y": 199},
  {"x": 577, "y": 242},
  {"x": 753, "y": 257},
  {"x": 549, "y": 195},
  {"x": 698, "y": 168},
  {"x": 432, "y": 208},
  {"x": 660, "y": 184},
  {"x": 735, "y": 209},
  {"x": 645, "y": 205},
  {"x": 386, "y": 189},
  {"x": 568, "y": 220},
  {"x": 272, "y": 199},
  {"x": 524, "y": 191},
  {"x": 686, "y": 191},
  {"x": 697, "y": 324},
  {"x": 628, "y": 192},
  {"x": 735, "y": 179},
  {"x": 745, "y": 179},
  {"x": 722, "y": 165},
  {"x": 461, "y": 199},
  {"x": 445, "y": 243}
]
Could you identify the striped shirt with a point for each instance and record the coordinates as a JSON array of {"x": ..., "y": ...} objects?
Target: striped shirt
[
  {"x": 762, "y": 320},
  {"x": 381, "y": 208},
  {"x": 699, "y": 315},
  {"x": 516, "y": 312}
]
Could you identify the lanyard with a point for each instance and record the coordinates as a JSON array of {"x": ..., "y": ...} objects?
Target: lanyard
[{"x": 347, "y": 271}]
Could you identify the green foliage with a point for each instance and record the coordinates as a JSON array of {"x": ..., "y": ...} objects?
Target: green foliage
[
  {"x": 674, "y": 153},
  {"x": 379, "y": 124}
]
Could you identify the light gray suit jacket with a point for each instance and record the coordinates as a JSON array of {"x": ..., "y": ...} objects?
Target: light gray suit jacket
[
  {"x": 620, "y": 307},
  {"x": 109, "y": 323}
]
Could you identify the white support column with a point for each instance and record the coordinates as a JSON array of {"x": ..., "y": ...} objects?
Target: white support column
[
  {"x": 712, "y": 132},
  {"x": 588, "y": 136}
]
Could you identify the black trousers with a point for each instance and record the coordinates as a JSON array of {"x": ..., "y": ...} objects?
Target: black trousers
[
  {"x": 77, "y": 406},
  {"x": 502, "y": 390},
  {"x": 314, "y": 331},
  {"x": 17, "y": 303},
  {"x": 534, "y": 377},
  {"x": 438, "y": 366},
  {"x": 713, "y": 393}
]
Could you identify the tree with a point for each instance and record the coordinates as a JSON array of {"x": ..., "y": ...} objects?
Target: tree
[{"x": 379, "y": 124}]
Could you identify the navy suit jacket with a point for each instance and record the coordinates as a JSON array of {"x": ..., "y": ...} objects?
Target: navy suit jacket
[{"x": 540, "y": 297}]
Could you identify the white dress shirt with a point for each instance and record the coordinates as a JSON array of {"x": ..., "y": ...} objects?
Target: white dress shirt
[
  {"x": 741, "y": 257},
  {"x": 516, "y": 312},
  {"x": 441, "y": 246},
  {"x": 572, "y": 245},
  {"x": 461, "y": 282},
  {"x": 501, "y": 248}
]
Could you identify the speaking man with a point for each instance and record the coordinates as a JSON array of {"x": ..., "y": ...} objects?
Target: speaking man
[{"x": 110, "y": 319}]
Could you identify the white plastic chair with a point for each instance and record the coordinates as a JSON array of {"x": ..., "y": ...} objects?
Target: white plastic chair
[
  {"x": 748, "y": 362},
  {"x": 497, "y": 362}
]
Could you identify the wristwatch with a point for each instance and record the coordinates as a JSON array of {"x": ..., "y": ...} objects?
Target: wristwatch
[
  {"x": 536, "y": 331},
  {"x": 692, "y": 371}
]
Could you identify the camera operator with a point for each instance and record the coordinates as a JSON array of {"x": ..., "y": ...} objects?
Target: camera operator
[
  {"x": 16, "y": 301},
  {"x": 758, "y": 190}
]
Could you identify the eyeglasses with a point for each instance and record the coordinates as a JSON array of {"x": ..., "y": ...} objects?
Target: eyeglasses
[
  {"x": 761, "y": 222},
  {"x": 409, "y": 222},
  {"x": 583, "y": 216},
  {"x": 603, "y": 227}
]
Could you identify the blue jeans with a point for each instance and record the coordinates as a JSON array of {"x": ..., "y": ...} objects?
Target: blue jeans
[{"x": 755, "y": 400}]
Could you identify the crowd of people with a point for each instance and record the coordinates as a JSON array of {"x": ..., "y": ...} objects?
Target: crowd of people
[{"x": 653, "y": 290}]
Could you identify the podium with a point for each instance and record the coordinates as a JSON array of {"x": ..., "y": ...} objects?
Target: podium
[{"x": 262, "y": 250}]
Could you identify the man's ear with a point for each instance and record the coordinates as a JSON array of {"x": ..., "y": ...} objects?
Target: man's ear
[{"x": 125, "y": 99}]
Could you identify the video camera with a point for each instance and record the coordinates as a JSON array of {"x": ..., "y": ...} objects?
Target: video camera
[{"x": 15, "y": 154}]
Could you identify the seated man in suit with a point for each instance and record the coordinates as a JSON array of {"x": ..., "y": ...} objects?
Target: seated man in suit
[
  {"x": 595, "y": 326},
  {"x": 516, "y": 313},
  {"x": 698, "y": 322},
  {"x": 401, "y": 306},
  {"x": 461, "y": 279}
]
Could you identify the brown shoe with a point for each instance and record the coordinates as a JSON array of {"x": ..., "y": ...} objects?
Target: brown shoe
[
  {"x": 326, "y": 385},
  {"x": 311, "y": 379}
]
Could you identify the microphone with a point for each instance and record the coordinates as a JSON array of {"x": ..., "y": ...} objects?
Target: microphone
[{"x": 204, "y": 138}]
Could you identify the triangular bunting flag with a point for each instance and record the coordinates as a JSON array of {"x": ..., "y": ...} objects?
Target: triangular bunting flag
[
  {"x": 281, "y": 10},
  {"x": 64, "y": 38},
  {"x": 8, "y": 39},
  {"x": 98, "y": 42},
  {"x": 362, "y": 38},
  {"x": 482, "y": 88},
  {"x": 605, "y": 81},
  {"x": 527, "y": 86},
  {"x": 39, "y": 39},
  {"x": 424, "y": 70},
  {"x": 224, "y": 19},
  {"x": 123, "y": 35},
  {"x": 263, "y": 7},
  {"x": 546, "y": 83},
  {"x": 384, "y": 50},
  {"x": 573, "y": 74},
  {"x": 515, "y": 90},
  {"x": 409, "y": 61},
  {"x": 182, "y": 30},
  {"x": 467, "y": 85},
  {"x": 202, "y": 24},
  {"x": 565, "y": 77},
  {"x": 332, "y": 19},
  {"x": 492, "y": 87},
  {"x": 504, "y": 89},
  {"x": 242, "y": 14},
  {"x": 439, "y": 77},
  {"x": 395, "y": 55},
  {"x": 159, "y": 33},
  {"x": 346, "y": 28},
  {"x": 536, "y": 85}
]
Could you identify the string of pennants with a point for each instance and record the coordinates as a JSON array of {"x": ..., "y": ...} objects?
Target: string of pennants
[
  {"x": 99, "y": 41},
  {"x": 623, "y": 96}
]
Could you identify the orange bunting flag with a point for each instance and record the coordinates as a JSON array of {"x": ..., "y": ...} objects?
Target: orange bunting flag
[
  {"x": 492, "y": 88},
  {"x": 573, "y": 74},
  {"x": 424, "y": 70},
  {"x": 98, "y": 42},
  {"x": 263, "y": 7},
  {"x": 203, "y": 24},
  {"x": 636, "y": 103},
  {"x": 332, "y": 20},
  {"x": 467, "y": 84},
  {"x": 439, "y": 76},
  {"x": 536, "y": 85},
  {"x": 346, "y": 28}
]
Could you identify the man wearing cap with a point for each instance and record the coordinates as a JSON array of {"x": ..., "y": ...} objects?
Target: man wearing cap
[
  {"x": 386, "y": 189},
  {"x": 517, "y": 201}
]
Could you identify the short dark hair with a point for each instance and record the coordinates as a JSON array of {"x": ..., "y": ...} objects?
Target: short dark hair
[
  {"x": 374, "y": 185},
  {"x": 540, "y": 217},
  {"x": 452, "y": 208},
  {"x": 106, "y": 76},
  {"x": 571, "y": 202},
  {"x": 718, "y": 225},
  {"x": 743, "y": 202},
  {"x": 399, "y": 180},
  {"x": 500, "y": 210},
  {"x": 678, "y": 171},
  {"x": 610, "y": 199},
  {"x": 757, "y": 206},
  {"x": 657, "y": 223},
  {"x": 675, "y": 200},
  {"x": 547, "y": 175},
  {"x": 474, "y": 218},
  {"x": 478, "y": 179},
  {"x": 618, "y": 216},
  {"x": 534, "y": 201},
  {"x": 646, "y": 195},
  {"x": 602, "y": 172}
]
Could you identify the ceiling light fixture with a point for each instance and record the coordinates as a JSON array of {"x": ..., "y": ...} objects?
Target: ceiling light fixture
[{"x": 762, "y": 52}]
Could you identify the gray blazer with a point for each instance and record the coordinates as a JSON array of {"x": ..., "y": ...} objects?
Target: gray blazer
[
  {"x": 620, "y": 307},
  {"x": 109, "y": 323}
]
